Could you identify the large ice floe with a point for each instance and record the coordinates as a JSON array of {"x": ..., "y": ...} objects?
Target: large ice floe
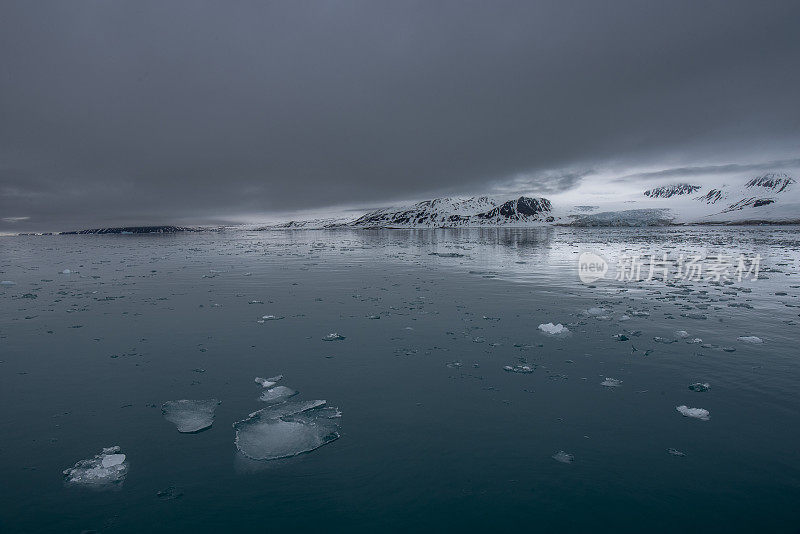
[
  {"x": 287, "y": 427},
  {"x": 190, "y": 415},
  {"x": 106, "y": 469}
]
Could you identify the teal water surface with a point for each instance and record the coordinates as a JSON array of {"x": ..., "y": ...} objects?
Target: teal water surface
[{"x": 435, "y": 433}]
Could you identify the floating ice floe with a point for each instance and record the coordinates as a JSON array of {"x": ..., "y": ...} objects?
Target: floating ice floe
[
  {"x": 105, "y": 469},
  {"x": 553, "y": 329},
  {"x": 333, "y": 336},
  {"x": 190, "y": 415},
  {"x": 676, "y": 452},
  {"x": 682, "y": 333},
  {"x": 611, "y": 382},
  {"x": 700, "y": 386},
  {"x": 563, "y": 457},
  {"x": 287, "y": 429},
  {"x": 7, "y": 283},
  {"x": 695, "y": 413},
  {"x": 66, "y": 271},
  {"x": 268, "y": 382},
  {"x": 523, "y": 369},
  {"x": 277, "y": 394},
  {"x": 271, "y": 318},
  {"x": 596, "y": 311},
  {"x": 750, "y": 339}
]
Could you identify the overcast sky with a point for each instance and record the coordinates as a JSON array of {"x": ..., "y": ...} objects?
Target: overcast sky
[{"x": 159, "y": 112}]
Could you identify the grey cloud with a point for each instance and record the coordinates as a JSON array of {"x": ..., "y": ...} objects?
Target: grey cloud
[
  {"x": 688, "y": 172},
  {"x": 135, "y": 112}
]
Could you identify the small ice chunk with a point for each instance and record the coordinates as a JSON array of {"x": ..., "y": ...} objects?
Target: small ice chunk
[
  {"x": 66, "y": 271},
  {"x": 676, "y": 452},
  {"x": 268, "y": 382},
  {"x": 696, "y": 413},
  {"x": 523, "y": 368},
  {"x": 190, "y": 415},
  {"x": 563, "y": 457},
  {"x": 271, "y": 317},
  {"x": 553, "y": 329},
  {"x": 700, "y": 386},
  {"x": 7, "y": 283},
  {"x": 682, "y": 333},
  {"x": 107, "y": 468},
  {"x": 333, "y": 336},
  {"x": 750, "y": 339},
  {"x": 596, "y": 311},
  {"x": 277, "y": 394},
  {"x": 611, "y": 382}
]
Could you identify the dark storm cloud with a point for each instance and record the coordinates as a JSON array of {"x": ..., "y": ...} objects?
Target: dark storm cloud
[{"x": 151, "y": 111}]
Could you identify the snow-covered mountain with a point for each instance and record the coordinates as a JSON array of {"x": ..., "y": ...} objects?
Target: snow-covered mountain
[
  {"x": 769, "y": 198},
  {"x": 135, "y": 230},
  {"x": 456, "y": 212},
  {"x": 757, "y": 192},
  {"x": 772, "y": 197}
]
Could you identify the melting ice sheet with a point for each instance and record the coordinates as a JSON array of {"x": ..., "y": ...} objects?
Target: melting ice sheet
[
  {"x": 106, "y": 469},
  {"x": 190, "y": 415},
  {"x": 287, "y": 429},
  {"x": 277, "y": 394}
]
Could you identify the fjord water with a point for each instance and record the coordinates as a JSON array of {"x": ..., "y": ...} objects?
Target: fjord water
[{"x": 435, "y": 433}]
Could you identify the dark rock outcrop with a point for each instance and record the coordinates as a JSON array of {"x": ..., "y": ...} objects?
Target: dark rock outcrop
[
  {"x": 134, "y": 230},
  {"x": 667, "y": 191}
]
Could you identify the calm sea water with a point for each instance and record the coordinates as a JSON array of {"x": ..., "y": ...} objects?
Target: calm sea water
[{"x": 435, "y": 434}]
